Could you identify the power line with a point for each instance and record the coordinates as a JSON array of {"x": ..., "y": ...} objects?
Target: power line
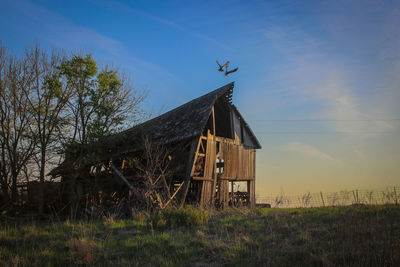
[
  {"x": 318, "y": 120},
  {"x": 326, "y": 132}
]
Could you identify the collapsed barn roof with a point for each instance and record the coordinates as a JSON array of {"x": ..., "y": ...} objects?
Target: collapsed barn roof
[{"x": 184, "y": 122}]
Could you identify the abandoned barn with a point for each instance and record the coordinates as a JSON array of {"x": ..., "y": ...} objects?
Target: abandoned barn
[{"x": 193, "y": 154}]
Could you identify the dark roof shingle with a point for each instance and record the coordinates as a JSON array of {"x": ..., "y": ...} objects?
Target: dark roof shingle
[{"x": 184, "y": 122}]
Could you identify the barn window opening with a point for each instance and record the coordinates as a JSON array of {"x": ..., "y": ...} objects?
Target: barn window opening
[
  {"x": 220, "y": 165},
  {"x": 223, "y": 124}
]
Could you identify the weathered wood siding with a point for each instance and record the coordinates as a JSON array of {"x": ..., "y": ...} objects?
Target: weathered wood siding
[
  {"x": 209, "y": 173},
  {"x": 223, "y": 191},
  {"x": 239, "y": 160}
]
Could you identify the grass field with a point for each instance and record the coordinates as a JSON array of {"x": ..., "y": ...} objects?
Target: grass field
[{"x": 331, "y": 236}]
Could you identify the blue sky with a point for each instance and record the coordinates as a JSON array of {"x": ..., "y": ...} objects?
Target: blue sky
[{"x": 318, "y": 81}]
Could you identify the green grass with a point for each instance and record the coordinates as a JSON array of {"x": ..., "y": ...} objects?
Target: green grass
[{"x": 331, "y": 236}]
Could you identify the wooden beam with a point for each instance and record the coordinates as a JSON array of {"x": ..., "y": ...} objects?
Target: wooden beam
[
  {"x": 134, "y": 191},
  {"x": 202, "y": 179},
  {"x": 232, "y": 123},
  {"x": 207, "y": 192},
  {"x": 189, "y": 169},
  {"x": 176, "y": 192},
  {"x": 215, "y": 176},
  {"x": 232, "y": 191},
  {"x": 195, "y": 157},
  {"x": 202, "y": 146},
  {"x": 213, "y": 119}
]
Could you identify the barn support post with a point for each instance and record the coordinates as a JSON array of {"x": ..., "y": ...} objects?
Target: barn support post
[
  {"x": 207, "y": 194},
  {"x": 251, "y": 188},
  {"x": 213, "y": 160},
  {"x": 213, "y": 120},
  {"x": 232, "y": 195}
]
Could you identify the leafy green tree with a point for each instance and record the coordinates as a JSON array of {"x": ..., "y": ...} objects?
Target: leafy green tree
[
  {"x": 49, "y": 103},
  {"x": 79, "y": 73},
  {"x": 103, "y": 101}
]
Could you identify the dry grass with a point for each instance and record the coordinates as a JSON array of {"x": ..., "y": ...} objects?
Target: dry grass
[
  {"x": 390, "y": 195},
  {"x": 84, "y": 251},
  {"x": 357, "y": 235}
]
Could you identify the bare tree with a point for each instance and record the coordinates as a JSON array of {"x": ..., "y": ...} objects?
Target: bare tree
[
  {"x": 17, "y": 134},
  {"x": 155, "y": 174},
  {"x": 47, "y": 101},
  {"x": 49, "y": 104}
]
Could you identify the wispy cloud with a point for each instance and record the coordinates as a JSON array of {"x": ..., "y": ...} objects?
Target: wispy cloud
[
  {"x": 348, "y": 88},
  {"x": 348, "y": 111},
  {"x": 142, "y": 65},
  {"x": 308, "y": 151},
  {"x": 169, "y": 23},
  {"x": 290, "y": 39}
]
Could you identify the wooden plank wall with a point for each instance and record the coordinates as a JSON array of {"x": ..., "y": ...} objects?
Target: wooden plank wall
[
  {"x": 209, "y": 173},
  {"x": 239, "y": 166},
  {"x": 239, "y": 161},
  {"x": 223, "y": 191}
]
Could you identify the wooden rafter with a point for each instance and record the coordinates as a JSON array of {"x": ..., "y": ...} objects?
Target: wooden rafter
[
  {"x": 202, "y": 146},
  {"x": 195, "y": 156},
  {"x": 213, "y": 120}
]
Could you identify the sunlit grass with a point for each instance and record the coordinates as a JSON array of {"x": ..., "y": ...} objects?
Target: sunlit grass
[{"x": 353, "y": 235}]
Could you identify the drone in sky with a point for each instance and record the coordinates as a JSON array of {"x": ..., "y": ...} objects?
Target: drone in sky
[{"x": 226, "y": 65}]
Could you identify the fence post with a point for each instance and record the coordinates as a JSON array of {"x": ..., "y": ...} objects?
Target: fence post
[
  {"x": 358, "y": 200},
  {"x": 322, "y": 198}
]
